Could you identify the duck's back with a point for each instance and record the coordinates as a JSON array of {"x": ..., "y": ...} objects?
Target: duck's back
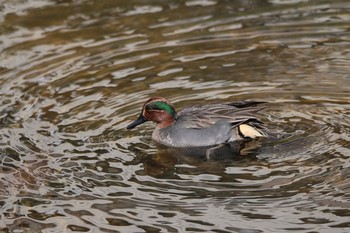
[{"x": 201, "y": 116}]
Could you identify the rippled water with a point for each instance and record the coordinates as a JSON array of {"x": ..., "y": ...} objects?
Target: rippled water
[{"x": 73, "y": 74}]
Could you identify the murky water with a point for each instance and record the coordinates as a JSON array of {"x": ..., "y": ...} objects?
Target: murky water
[{"x": 73, "y": 74}]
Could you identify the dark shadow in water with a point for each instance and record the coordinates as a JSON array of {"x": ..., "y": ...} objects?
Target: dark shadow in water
[{"x": 163, "y": 163}]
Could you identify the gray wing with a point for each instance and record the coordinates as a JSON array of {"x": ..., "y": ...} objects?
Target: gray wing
[{"x": 203, "y": 116}]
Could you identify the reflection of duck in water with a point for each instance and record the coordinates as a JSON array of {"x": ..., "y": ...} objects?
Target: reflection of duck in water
[
  {"x": 213, "y": 160},
  {"x": 201, "y": 125}
]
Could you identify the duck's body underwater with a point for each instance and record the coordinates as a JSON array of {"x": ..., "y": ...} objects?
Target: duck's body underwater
[{"x": 201, "y": 125}]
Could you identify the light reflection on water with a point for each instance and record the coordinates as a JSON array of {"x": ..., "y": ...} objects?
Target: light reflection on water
[{"x": 74, "y": 74}]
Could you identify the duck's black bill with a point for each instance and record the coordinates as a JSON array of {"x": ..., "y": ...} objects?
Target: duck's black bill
[{"x": 141, "y": 119}]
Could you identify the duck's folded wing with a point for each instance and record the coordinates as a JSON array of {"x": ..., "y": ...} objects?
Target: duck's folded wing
[{"x": 203, "y": 116}]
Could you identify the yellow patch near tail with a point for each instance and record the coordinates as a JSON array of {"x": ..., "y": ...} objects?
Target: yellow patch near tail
[{"x": 249, "y": 131}]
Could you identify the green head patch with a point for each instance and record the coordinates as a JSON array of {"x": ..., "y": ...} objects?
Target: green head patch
[{"x": 160, "y": 105}]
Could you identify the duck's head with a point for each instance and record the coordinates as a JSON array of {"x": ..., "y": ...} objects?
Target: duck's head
[{"x": 157, "y": 109}]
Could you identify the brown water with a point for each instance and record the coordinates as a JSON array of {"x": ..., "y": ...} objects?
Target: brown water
[{"x": 73, "y": 74}]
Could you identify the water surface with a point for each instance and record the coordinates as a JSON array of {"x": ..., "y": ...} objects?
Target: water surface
[{"x": 73, "y": 74}]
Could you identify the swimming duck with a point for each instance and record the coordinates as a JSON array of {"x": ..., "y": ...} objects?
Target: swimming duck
[{"x": 201, "y": 125}]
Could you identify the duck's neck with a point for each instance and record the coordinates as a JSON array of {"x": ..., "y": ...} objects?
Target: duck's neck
[{"x": 166, "y": 123}]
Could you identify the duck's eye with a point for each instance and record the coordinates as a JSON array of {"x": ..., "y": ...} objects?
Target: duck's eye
[
  {"x": 156, "y": 106},
  {"x": 152, "y": 108}
]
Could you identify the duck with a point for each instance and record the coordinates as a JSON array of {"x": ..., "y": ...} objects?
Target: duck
[{"x": 201, "y": 125}]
